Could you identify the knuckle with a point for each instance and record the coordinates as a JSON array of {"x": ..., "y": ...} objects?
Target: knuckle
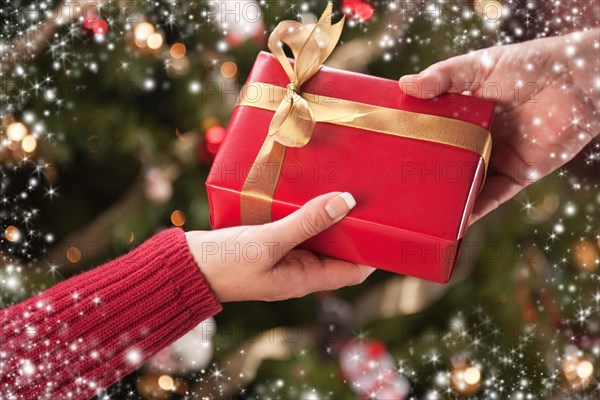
[
  {"x": 312, "y": 223},
  {"x": 443, "y": 69}
]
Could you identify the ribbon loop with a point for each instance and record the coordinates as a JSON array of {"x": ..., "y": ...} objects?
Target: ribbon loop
[{"x": 293, "y": 122}]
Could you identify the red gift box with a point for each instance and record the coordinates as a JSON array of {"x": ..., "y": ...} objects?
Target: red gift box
[{"x": 414, "y": 197}]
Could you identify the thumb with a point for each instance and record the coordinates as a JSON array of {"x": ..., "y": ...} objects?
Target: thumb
[
  {"x": 454, "y": 75},
  {"x": 314, "y": 217}
]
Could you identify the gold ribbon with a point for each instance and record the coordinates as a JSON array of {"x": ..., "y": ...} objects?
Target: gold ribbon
[
  {"x": 296, "y": 114},
  {"x": 293, "y": 122}
]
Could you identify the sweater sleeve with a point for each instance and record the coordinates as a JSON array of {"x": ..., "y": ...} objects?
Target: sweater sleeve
[{"x": 87, "y": 332}]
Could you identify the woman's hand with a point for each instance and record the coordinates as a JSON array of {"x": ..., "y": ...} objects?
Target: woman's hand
[
  {"x": 260, "y": 263},
  {"x": 547, "y": 96}
]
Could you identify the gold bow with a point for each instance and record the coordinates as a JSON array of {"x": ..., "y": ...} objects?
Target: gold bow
[
  {"x": 293, "y": 122},
  {"x": 296, "y": 114}
]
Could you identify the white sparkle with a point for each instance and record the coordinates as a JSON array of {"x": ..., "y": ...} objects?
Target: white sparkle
[{"x": 134, "y": 356}]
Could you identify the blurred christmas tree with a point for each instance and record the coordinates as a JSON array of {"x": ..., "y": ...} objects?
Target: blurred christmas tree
[{"x": 111, "y": 112}]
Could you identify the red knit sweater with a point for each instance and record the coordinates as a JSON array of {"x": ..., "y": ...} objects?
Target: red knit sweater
[{"x": 89, "y": 331}]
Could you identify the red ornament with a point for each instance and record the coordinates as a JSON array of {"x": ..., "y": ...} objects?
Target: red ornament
[
  {"x": 348, "y": 7},
  {"x": 91, "y": 16},
  {"x": 209, "y": 144},
  {"x": 371, "y": 371},
  {"x": 234, "y": 41},
  {"x": 93, "y": 24},
  {"x": 214, "y": 136},
  {"x": 100, "y": 26},
  {"x": 363, "y": 11},
  {"x": 88, "y": 23}
]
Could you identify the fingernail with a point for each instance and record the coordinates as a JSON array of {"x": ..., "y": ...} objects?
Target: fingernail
[{"x": 340, "y": 205}]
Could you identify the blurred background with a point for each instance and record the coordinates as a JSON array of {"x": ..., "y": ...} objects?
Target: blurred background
[{"x": 111, "y": 113}]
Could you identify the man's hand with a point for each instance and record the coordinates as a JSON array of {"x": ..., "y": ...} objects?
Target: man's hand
[
  {"x": 547, "y": 93},
  {"x": 260, "y": 262}
]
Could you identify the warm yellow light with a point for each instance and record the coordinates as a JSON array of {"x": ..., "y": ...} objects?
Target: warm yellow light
[
  {"x": 143, "y": 31},
  {"x": 586, "y": 255},
  {"x": 166, "y": 382},
  {"x": 155, "y": 41},
  {"x": 229, "y": 69},
  {"x": 179, "y": 66},
  {"x": 585, "y": 369},
  {"x": 489, "y": 10},
  {"x": 569, "y": 365},
  {"x": 12, "y": 234},
  {"x": 177, "y": 50},
  {"x": 472, "y": 375},
  {"x": 465, "y": 378},
  {"x": 29, "y": 144},
  {"x": 16, "y": 131},
  {"x": 209, "y": 122},
  {"x": 73, "y": 254},
  {"x": 178, "y": 218}
]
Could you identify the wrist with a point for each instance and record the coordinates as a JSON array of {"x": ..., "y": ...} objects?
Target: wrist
[
  {"x": 195, "y": 245},
  {"x": 195, "y": 240}
]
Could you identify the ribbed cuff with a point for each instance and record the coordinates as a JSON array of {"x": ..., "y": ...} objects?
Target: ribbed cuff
[
  {"x": 195, "y": 293},
  {"x": 99, "y": 326}
]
